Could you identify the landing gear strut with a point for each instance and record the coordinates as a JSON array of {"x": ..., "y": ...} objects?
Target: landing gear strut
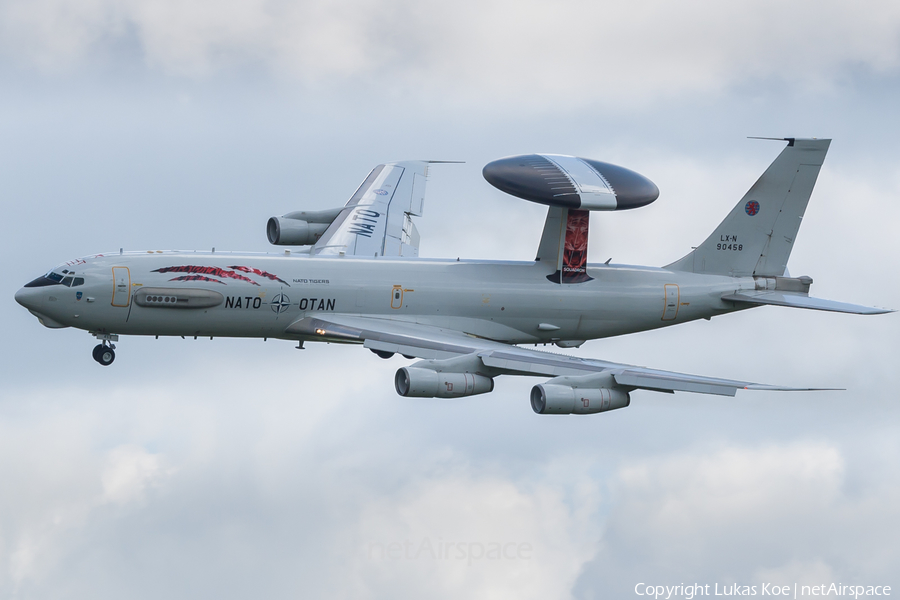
[{"x": 105, "y": 352}]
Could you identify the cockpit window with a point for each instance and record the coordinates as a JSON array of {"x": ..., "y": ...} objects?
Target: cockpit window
[
  {"x": 54, "y": 278},
  {"x": 42, "y": 281}
]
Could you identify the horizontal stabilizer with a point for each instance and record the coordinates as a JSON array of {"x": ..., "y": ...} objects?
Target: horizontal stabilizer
[{"x": 776, "y": 298}]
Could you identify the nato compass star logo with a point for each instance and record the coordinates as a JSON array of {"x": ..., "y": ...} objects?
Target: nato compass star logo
[
  {"x": 280, "y": 303},
  {"x": 381, "y": 192},
  {"x": 752, "y": 208}
]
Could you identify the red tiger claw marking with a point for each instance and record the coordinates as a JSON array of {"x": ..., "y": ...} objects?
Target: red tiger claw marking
[
  {"x": 214, "y": 271},
  {"x": 255, "y": 271}
]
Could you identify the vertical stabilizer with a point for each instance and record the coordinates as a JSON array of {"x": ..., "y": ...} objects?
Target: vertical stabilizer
[{"x": 757, "y": 236}]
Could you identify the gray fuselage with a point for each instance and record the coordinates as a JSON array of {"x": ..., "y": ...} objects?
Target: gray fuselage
[{"x": 260, "y": 295}]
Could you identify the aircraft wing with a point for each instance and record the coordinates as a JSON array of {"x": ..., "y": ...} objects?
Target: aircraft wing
[
  {"x": 428, "y": 342},
  {"x": 377, "y": 220}
]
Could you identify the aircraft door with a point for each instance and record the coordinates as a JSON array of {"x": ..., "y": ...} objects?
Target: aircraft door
[
  {"x": 397, "y": 296},
  {"x": 121, "y": 286},
  {"x": 672, "y": 299}
]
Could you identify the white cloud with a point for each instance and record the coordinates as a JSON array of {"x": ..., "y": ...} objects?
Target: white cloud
[
  {"x": 235, "y": 469},
  {"x": 578, "y": 53},
  {"x": 129, "y": 473},
  {"x": 273, "y": 471},
  {"x": 747, "y": 515},
  {"x": 38, "y": 509},
  {"x": 703, "y": 495},
  {"x": 46, "y": 507},
  {"x": 464, "y": 535}
]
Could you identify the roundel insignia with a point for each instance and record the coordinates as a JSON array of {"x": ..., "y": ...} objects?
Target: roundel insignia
[
  {"x": 280, "y": 303},
  {"x": 752, "y": 208},
  {"x": 381, "y": 192}
]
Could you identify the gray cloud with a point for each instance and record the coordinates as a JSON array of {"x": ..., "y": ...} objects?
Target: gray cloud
[
  {"x": 614, "y": 54},
  {"x": 203, "y": 480},
  {"x": 776, "y": 514}
]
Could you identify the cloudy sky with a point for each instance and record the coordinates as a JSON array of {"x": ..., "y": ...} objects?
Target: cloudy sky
[{"x": 243, "y": 468}]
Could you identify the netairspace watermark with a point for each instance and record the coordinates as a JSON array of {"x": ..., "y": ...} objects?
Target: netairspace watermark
[
  {"x": 427, "y": 549},
  {"x": 688, "y": 592}
]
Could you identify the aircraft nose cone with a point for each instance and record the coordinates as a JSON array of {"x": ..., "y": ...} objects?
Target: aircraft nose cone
[{"x": 29, "y": 298}]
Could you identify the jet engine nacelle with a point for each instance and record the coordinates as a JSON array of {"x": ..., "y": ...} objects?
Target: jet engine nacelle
[
  {"x": 293, "y": 232},
  {"x": 552, "y": 399},
  {"x": 302, "y": 228},
  {"x": 424, "y": 383}
]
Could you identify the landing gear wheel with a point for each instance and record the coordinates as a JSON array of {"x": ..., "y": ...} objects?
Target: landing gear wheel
[
  {"x": 106, "y": 356},
  {"x": 105, "y": 352}
]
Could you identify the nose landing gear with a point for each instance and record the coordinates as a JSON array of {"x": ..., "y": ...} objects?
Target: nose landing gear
[{"x": 105, "y": 352}]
